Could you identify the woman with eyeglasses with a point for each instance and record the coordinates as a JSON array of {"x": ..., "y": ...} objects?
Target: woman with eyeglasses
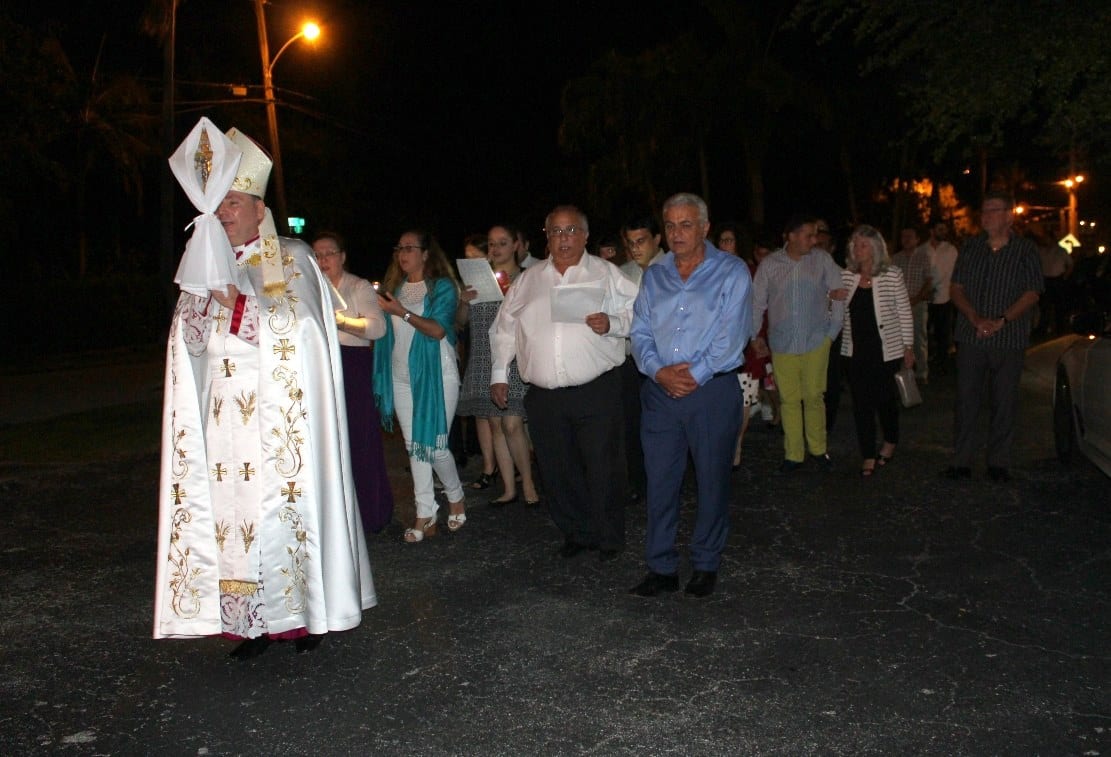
[
  {"x": 419, "y": 381},
  {"x": 506, "y": 426},
  {"x": 360, "y": 322}
]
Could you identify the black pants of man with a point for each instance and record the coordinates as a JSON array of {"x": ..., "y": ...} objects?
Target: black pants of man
[
  {"x": 941, "y": 323},
  {"x": 995, "y": 373},
  {"x": 631, "y": 382},
  {"x": 578, "y": 435}
]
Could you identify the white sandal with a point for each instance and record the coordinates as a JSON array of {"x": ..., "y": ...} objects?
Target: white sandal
[
  {"x": 420, "y": 530},
  {"x": 455, "y": 521}
]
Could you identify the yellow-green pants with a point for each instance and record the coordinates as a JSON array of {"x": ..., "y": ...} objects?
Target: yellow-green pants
[{"x": 801, "y": 380}]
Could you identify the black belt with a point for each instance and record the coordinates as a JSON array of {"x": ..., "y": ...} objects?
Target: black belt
[{"x": 719, "y": 374}]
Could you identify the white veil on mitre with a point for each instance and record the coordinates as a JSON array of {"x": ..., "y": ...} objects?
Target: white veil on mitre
[{"x": 205, "y": 165}]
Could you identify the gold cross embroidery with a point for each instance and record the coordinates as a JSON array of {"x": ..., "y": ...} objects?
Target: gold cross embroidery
[
  {"x": 179, "y": 493},
  {"x": 285, "y": 348},
  {"x": 246, "y": 471},
  {"x": 220, "y": 318},
  {"x": 219, "y": 471},
  {"x": 229, "y": 368},
  {"x": 291, "y": 492}
]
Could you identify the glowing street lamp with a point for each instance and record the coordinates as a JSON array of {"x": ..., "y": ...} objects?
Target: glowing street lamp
[
  {"x": 1071, "y": 184},
  {"x": 311, "y": 32}
]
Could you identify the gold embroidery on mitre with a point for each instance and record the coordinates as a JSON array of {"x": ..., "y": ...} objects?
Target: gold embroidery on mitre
[
  {"x": 222, "y": 532},
  {"x": 247, "y": 531},
  {"x": 202, "y": 159},
  {"x": 247, "y": 405},
  {"x": 238, "y": 588}
]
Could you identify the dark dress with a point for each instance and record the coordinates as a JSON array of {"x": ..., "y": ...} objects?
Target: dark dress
[
  {"x": 871, "y": 378},
  {"x": 368, "y": 459},
  {"x": 474, "y": 396}
]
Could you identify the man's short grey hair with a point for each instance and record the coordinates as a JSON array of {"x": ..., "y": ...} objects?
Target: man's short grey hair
[
  {"x": 567, "y": 209},
  {"x": 689, "y": 199}
]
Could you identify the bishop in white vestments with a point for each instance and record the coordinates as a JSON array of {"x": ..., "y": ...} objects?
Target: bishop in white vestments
[{"x": 259, "y": 534}]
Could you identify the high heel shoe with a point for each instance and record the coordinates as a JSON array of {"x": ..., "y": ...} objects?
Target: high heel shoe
[
  {"x": 882, "y": 459},
  {"x": 484, "y": 481},
  {"x": 421, "y": 528},
  {"x": 455, "y": 521}
]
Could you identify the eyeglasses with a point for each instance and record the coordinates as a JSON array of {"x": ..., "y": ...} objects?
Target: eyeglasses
[
  {"x": 325, "y": 254},
  {"x": 566, "y": 231},
  {"x": 406, "y": 247}
]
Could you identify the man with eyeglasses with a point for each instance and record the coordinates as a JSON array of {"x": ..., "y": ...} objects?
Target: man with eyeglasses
[
  {"x": 569, "y": 354},
  {"x": 996, "y": 281},
  {"x": 691, "y": 322}
]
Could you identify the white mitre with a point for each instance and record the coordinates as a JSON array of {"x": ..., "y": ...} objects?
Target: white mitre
[{"x": 205, "y": 165}]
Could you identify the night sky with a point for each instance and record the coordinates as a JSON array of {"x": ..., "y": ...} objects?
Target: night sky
[{"x": 438, "y": 114}]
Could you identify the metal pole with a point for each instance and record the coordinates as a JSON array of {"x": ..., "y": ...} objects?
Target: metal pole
[{"x": 278, "y": 179}]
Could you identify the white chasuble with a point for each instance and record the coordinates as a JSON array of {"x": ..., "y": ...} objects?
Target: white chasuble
[{"x": 259, "y": 528}]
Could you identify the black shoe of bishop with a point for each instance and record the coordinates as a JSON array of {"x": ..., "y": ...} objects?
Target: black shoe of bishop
[
  {"x": 308, "y": 643},
  {"x": 251, "y": 648}
]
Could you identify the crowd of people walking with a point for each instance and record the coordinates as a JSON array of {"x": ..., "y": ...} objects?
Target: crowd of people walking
[{"x": 593, "y": 379}]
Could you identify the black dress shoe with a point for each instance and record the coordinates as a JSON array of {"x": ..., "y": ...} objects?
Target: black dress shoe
[
  {"x": 251, "y": 648},
  {"x": 957, "y": 472},
  {"x": 608, "y": 554},
  {"x": 654, "y": 583},
  {"x": 308, "y": 643},
  {"x": 701, "y": 583},
  {"x": 999, "y": 475}
]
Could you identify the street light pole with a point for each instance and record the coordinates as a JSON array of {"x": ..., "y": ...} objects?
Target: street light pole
[
  {"x": 272, "y": 118},
  {"x": 310, "y": 32},
  {"x": 1071, "y": 184}
]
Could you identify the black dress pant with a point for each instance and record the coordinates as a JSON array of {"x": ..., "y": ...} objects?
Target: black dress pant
[{"x": 578, "y": 435}]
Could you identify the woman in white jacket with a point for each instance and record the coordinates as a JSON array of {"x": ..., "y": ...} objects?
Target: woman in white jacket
[{"x": 878, "y": 340}]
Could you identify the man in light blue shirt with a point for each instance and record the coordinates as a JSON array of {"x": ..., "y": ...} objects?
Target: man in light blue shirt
[
  {"x": 799, "y": 287},
  {"x": 691, "y": 321}
]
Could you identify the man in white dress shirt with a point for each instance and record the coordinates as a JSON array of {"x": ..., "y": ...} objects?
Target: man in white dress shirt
[{"x": 574, "y": 396}]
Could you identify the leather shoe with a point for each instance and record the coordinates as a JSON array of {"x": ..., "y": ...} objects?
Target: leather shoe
[
  {"x": 608, "y": 554},
  {"x": 957, "y": 472},
  {"x": 999, "y": 475},
  {"x": 787, "y": 467},
  {"x": 251, "y": 648},
  {"x": 308, "y": 643},
  {"x": 654, "y": 583},
  {"x": 701, "y": 583}
]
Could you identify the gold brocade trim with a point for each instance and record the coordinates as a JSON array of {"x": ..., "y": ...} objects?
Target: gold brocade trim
[
  {"x": 222, "y": 532},
  {"x": 247, "y": 531},
  {"x": 288, "y": 458},
  {"x": 238, "y": 588},
  {"x": 296, "y": 591},
  {"x": 246, "y": 404},
  {"x": 185, "y": 598}
]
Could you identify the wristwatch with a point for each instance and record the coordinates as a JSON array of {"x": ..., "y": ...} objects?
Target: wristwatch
[{"x": 407, "y": 316}]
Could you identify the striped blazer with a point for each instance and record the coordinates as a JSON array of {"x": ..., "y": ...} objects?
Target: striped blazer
[{"x": 893, "y": 316}]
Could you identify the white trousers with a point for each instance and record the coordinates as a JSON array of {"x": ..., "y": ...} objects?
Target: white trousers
[{"x": 443, "y": 462}]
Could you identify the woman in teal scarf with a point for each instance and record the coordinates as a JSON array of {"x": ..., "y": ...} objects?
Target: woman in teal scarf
[{"x": 416, "y": 374}]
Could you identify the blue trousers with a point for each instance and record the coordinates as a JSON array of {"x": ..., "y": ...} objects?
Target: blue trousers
[{"x": 704, "y": 423}]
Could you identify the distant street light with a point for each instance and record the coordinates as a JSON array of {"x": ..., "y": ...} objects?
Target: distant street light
[
  {"x": 1071, "y": 184},
  {"x": 310, "y": 32}
]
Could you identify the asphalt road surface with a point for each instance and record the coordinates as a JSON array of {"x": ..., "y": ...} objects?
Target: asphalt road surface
[{"x": 903, "y": 614}]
